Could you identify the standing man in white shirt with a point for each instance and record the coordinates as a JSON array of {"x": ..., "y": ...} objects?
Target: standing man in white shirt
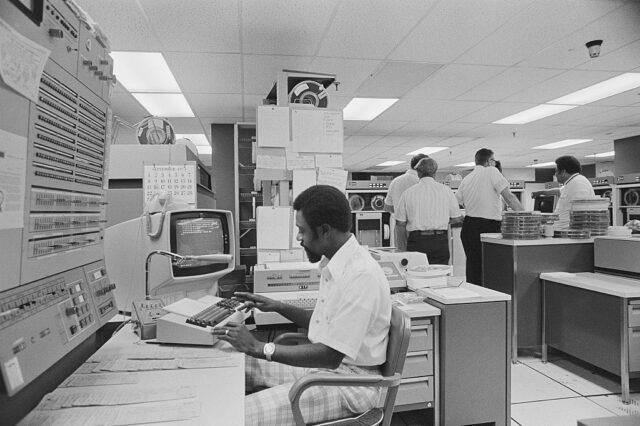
[
  {"x": 348, "y": 328},
  {"x": 425, "y": 211},
  {"x": 576, "y": 186},
  {"x": 395, "y": 191},
  {"x": 479, "y": 193}
]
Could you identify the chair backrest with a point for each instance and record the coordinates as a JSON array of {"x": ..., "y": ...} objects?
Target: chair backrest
[{"x": 399, "y": 336}]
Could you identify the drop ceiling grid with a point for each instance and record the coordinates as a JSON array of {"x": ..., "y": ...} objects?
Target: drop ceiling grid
[
  {"x": 284, "y": 27},
  {"x": 541, "y": 24},
  {"x": 261, "y": 71},
  {"x": 195, "y": 26},
  {"x": 206, "y": 72},
  {"x": 360, "y": 28},
  {"x": 350, "y": 73},
  {"x": 212, "y": 105},
  {"x": 454, "y": 27},
  {"x": 124, "y": 24},
  {"x": 453, "y": 80},
  {"x": 511, "y": 81}
]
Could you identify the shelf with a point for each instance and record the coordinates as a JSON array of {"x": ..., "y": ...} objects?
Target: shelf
[{"x": 247, "y": 224}]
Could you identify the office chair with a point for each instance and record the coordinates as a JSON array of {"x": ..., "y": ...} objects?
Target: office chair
[{"x": 399, "y": 335}]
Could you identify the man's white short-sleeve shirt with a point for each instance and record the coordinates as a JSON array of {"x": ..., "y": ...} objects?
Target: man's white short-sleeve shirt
[{"x": 353, "y": 310}]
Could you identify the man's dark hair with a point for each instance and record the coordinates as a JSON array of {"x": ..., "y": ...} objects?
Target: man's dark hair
[
  {"x": 569, "y": 164},
  {"x": 322, "y": 204},
  {"x": 483, "y": 155},
  {"x": 498, "y": 165},
  {"x": 416, "y": 159}
]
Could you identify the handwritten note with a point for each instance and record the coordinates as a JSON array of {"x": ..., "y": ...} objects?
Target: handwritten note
[
  {"x": 317, "y": 130},
  {"x": 333, "y": 177},
  {"x": 22, "y": 61}
]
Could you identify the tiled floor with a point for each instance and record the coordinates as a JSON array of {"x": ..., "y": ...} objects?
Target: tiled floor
[{"x": 557, "y": 393}]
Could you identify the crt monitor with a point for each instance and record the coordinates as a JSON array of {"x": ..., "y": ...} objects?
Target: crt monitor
[
  {"x": 203, "y": 238},
  {"x": 544, "y": 203}
]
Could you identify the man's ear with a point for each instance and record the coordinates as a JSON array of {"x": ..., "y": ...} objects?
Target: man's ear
[{"x": 324, "y": 230}]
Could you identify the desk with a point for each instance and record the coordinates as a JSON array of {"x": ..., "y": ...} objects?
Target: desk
[
  {"x": 474, "y": 355},
  {"x": 596, "y": 318},
  {"x": 214, "y": 395},
  {"x": 514, "y": 266}
]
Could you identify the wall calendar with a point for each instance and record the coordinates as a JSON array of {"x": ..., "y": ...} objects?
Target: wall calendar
[{"x": 177, "y": 180}]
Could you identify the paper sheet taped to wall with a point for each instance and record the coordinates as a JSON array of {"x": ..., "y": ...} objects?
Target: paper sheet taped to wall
[
  {"x": 274, "y": 228},
  {"x": 317, "y": 130}
]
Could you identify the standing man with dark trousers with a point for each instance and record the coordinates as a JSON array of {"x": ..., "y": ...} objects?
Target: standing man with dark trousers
[
  {"x": 479, "y": 194},
  {"x": 425, "y": 211},
  {"x": 396, "y": 189}
]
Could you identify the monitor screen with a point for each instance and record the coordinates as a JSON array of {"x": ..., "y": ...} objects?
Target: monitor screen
[
  {"x": 544, "y": 203},
  {"x": 196, "y": 233}
]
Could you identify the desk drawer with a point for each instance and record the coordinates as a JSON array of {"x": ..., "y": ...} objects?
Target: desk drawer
[
  {"x": 415, "y": 392},
  {"x": 420, "y": 364},
  {"x": 634, "y": 349},
  {"x": 421, "y": 338},
  {"x": 634, "y": 314}
]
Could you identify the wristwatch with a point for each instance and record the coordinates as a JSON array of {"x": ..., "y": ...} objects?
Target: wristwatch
[{"x": 268, "y": 349}]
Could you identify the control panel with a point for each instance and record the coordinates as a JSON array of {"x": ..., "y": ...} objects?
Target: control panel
[
  {"x": 277, "y": 280},
  {"x": 42, "y": 321},
  {"x": 368, "y": 184},
  {"x": 54, "y": 287}
]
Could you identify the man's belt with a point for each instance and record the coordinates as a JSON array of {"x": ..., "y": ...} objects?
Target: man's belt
[{"x": 430, "y": 232}]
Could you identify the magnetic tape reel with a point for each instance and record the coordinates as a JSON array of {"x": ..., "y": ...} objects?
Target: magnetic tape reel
[
  {"x": 155, "y": 131},
  {"x": 309, "y": 92}
]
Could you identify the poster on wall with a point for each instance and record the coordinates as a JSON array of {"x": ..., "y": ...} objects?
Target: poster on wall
[{"x": 176, "y": 180}]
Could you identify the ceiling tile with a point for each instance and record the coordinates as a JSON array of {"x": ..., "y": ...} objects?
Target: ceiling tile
[
  {"x": 454, "y": 27},
  {"x": 214, "y": 105},
  {"x": 124, "y": 24},
  {"x": 361, "y": 28},
  {"x": 511, "y": 81},
  {"x": 284, "y": 27},
  {"x": 350, "y": 73},
  {"x": 195, "y": 25},
  {"x": 537, "y": 26},
  {"x": 432, "y": 110},
  {"x": 261, "y": 71},
  {"x": 381, "y": 128},
  {"x": 206, "y": 72},
  {"x": 127, "y": 108},
  {"x": 394, "y": 79},
  {"x": 559, "y": 85},
  {"x": 189, "y": 125},
  {"x": 453, "y": 80}
]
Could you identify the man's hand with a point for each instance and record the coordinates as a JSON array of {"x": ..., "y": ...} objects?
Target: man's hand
[
  {"x": 256, "y": 301},
  {"x": 534, "y": 194},
  {"x": 241, "y": 338}
]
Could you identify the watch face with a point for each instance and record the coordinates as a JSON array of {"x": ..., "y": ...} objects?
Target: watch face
[{"x": 268, "y": 350}]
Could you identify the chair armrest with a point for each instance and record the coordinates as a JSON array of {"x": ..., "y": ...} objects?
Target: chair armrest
[
  {"x": 330, "y": 379},
  {"x": 291, "y": 339}
]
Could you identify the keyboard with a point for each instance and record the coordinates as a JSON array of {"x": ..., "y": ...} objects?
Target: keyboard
[
  {"x": 214, "y": 314},
  {"x": 190, "y": 322},
  {"x": 302, "y": 299}
]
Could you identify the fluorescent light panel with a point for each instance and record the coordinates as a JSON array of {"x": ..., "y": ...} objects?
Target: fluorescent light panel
[
  {"x": 427, "y": 150},
  {"x": 366, "y": 109},
  {"x": 199, "y": 140},
  {"x": 604, "y": 89},
  {"x": 602, "y": 154},
  {"x": 469, "y": 164},
  {"x": 165, "y": 104},
  {"x": 535, "y": 113},
  {"x": 390, "y": 163},
  {"x": 551, "y": 163},
  {"x": 144, "y": 72},
  {"x": 562, "y": 144}
]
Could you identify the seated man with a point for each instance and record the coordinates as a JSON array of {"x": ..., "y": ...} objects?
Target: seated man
[{"x": 347, "y": 329}]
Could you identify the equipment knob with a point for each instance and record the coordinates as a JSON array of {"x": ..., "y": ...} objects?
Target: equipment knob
[{"x": 55, "y": 33}]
